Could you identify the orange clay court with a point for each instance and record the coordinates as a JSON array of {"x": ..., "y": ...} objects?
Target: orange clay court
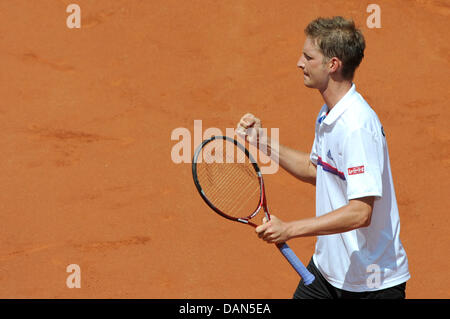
[{"x": 87, "y": 115}]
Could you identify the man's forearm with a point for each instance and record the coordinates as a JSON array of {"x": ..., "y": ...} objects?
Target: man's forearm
[
  {"x": 293, "y": 161},
  {"x": 354, "y": 215}
]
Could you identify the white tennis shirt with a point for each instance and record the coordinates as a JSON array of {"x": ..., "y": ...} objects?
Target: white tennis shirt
[{"x": 352, "y": 160}]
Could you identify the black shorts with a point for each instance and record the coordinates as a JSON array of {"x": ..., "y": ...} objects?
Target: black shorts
[{"x": 322, "y": 289}]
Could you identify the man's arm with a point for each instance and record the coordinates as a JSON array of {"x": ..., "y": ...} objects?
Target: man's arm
[
  {"x": 297, "y": 163},
  {"x": 356, "y": 214},
  {"x": 293, "y": 161}
]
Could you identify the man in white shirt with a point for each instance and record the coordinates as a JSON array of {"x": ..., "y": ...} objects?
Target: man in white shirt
[{"x": 358, "y": 250}]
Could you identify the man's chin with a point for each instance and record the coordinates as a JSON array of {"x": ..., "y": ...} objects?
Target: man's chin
[{"x": 308, "y": 84}]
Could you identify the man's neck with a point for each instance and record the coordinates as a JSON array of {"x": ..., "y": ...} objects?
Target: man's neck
[{"x": 334, "y": 92}]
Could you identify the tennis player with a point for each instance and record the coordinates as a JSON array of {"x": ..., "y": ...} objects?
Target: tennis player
[{"x": 358, "y": 252}]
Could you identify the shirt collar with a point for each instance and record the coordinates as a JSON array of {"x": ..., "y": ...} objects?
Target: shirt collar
[{"x": 340, "y": 106}]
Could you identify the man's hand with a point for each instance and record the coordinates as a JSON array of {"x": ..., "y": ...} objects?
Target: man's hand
[
  {"x": 250, "y": 129},
  {"x": 273, "y": 231}
]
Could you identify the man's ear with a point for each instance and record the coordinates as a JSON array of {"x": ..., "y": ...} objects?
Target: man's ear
[{"x": 334, "y": 64}]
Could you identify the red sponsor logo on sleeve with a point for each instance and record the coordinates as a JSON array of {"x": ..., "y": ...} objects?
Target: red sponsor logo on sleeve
[{"x": 356, "y": 170}]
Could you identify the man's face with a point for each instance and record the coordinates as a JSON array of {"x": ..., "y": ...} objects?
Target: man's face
[{"x": 315, "y": 72}]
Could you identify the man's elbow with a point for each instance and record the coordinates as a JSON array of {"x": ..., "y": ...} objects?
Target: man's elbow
[
  {"x": 366, "y": 219},
  {"x": 364, "y": 208}
]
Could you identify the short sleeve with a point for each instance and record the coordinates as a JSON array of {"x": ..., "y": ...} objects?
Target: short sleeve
[
  {"x": 313, "y": 156},
  {"x": 363, "y": 163}
]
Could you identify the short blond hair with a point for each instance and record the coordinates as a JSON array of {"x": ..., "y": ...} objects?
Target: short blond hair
[{"x": 338, "y": 37}]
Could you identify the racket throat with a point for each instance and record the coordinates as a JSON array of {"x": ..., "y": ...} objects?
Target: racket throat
[{"x": 246, "y": 221}]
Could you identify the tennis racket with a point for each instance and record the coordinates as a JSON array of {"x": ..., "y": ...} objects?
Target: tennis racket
[{"x": 230, "y": 182}]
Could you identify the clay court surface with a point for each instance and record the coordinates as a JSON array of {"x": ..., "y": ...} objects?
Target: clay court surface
[{"x": 87, "y": 116}]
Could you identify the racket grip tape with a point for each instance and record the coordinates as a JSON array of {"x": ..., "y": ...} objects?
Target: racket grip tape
[{"x": 289, "y": 254}]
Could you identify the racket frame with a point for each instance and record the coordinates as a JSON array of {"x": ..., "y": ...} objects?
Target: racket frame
[
  {"x": 287, "y": 252},
  {"x": 262, "y": 197}
]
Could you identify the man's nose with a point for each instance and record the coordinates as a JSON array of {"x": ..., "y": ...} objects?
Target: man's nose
[{"x": 300, "y": 63}]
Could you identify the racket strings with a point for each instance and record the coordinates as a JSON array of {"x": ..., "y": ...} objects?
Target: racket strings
[
  {"x": 231, "y": 198},
  {"x": 231, "y": 186},
  {"x": 230, "y": 173}
]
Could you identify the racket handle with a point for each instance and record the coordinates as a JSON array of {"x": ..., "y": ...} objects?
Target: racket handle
[{"x": 289, "y": 254}]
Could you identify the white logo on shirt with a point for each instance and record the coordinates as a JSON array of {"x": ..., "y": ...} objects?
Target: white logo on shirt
[{"x": 356, "y": 170}]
